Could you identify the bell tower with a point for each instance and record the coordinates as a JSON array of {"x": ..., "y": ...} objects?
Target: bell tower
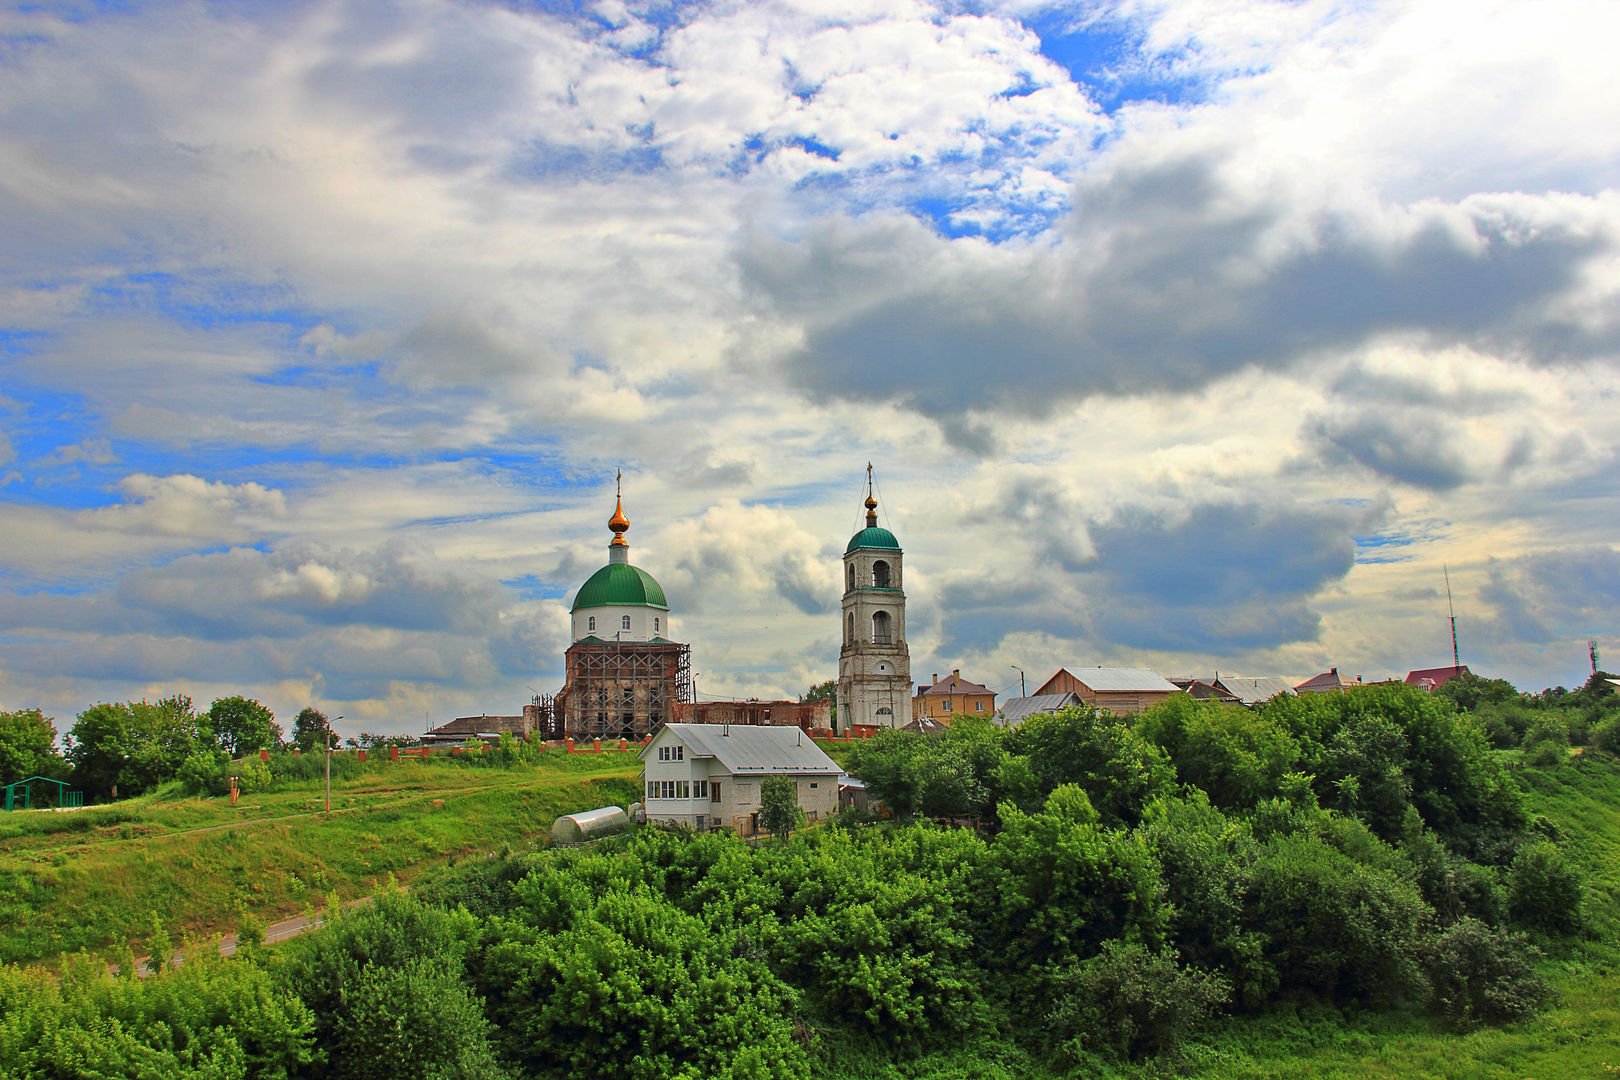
[{"x": 874, "y": 664}]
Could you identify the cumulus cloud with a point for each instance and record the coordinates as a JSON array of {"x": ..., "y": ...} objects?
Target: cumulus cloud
[
  {"x": 741, "y": 558},
  {"x": 1560, "y": 594},
  {"x": 348, "y": 284}
]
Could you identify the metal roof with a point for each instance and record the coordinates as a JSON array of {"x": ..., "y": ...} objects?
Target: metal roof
[
  {"x": 872, "y": 537},
  {"x": 620, "y": 585},
  {"x": 750, "y": 748},
  {"x": 1253, "y": 691},
  {"x": 1018, "y": 709},
  {"x": 1118, "y": 679}
]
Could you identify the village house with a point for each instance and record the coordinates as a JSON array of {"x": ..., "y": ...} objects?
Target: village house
[
  {"x": 708, "y": 775},
  {"x": 1122, "y": 691},
  {"x": 945, "y": 699}
]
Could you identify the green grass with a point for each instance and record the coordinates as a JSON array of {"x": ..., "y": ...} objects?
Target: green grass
[{"x": 92, "y": 878}]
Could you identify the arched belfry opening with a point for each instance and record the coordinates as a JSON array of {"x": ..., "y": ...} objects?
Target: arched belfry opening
[
  {"x": 882, "y": 628},
  {"x": 880, "y": 575}
]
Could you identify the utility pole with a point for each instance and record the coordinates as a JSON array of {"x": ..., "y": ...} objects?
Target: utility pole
[{"x": 329, "y": 763}]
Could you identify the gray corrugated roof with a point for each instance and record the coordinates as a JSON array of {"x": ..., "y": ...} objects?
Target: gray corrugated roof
[
  {"x": 748, "y": 748},
  {"x": 1253, "y": 691},
  {"x": 1021, "y": 708},
  {"x": 1117, "y": 679}
]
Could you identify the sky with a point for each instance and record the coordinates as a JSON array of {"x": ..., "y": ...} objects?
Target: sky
[{"x": 1197, "y": 335}]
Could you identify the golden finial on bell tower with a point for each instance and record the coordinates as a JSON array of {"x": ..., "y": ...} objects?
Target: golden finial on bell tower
[{"x": 871, "y": 503}]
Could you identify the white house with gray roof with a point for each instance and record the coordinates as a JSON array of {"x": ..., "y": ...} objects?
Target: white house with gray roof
[{"x": 708, "y": 775}]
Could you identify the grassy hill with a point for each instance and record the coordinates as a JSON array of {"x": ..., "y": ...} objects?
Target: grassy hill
[{"x": 199, "y": 866}]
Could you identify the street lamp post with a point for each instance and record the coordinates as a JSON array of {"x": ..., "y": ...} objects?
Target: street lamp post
[
  {"x": 1021, "y": 691},
  {"x": 329, "y": 762}
]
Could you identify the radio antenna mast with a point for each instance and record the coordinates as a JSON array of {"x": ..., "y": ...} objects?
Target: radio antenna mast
[
  {"x": 1591, "y": 648},
  {"x": 1456, "y": 658}
]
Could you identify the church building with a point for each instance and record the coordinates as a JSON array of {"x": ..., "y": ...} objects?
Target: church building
[
  {"x": 624, "y": 673},
  {"x": 874, "y": 664}
]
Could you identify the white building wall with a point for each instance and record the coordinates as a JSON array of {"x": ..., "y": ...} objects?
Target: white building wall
[{"x": 645, "y": 623}]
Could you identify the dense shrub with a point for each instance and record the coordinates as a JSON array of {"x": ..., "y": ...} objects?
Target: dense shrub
[
  {"x": 632, "y": 987},
  {"x": 206, "y": 772},
  {"x": 1333, "y": 927},
  {"x": 208, "y": 1018},
  {"x": 1606, "y": 735},
  {"x": 1483, "y": 975},
  {"x": 1129, "y": 1002},
  {"x": 252, "y": 775},
  {"x": 1544, "y": 890},
  {"x": 415, "y": 1019}
]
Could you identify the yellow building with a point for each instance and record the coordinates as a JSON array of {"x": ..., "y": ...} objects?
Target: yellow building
[{"x": 951, "y": 697}]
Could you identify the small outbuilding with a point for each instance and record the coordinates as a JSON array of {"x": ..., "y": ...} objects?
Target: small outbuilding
[{"x": 589, "y": 825}]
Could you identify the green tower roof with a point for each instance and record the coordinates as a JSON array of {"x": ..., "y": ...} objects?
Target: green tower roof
[
  {"x": 620, "y": 585},
  {"x": 872, "y": 537}
]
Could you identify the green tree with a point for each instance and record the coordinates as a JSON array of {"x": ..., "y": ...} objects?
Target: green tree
[
  {"x": 309, "y": 728},
  {"x": 123, "y": 749},
  {"x": 243, "y": 726},
  {"x": 779, "y": 805},
  {"x": 28, "y": 746},
  {"x": 1119, "y": 769}
]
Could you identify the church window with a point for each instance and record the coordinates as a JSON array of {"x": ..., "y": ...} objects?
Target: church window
[
  {"x": 880, "y": 574},
  {"x": 591, "y": 626},
  {"x": 655, "y": 624},
  {"x": 850, "y": 637},
  {"x": 851, "y": 575},
  {"x": 624, "y": 622},
  {"x": 880, "y": 628}
]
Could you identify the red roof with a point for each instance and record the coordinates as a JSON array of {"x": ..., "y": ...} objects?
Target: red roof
[{"x": 1434, "y": 676}]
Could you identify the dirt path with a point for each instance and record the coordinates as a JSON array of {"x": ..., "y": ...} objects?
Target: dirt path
[{"x": 275, "y": 933}]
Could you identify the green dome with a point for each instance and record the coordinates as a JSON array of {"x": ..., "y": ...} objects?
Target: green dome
[
  {"x": 620, "y": 585},
  {"x": 872, "y": 537}
]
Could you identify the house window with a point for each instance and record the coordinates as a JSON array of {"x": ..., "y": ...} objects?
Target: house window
[
  {"x": 714, "y": 791},
  {"x": 978, "y": 706},
  {"x": 814, "y": 786},
  {"x": 591, "y": 624},
  {"x": 624, "y": 622},
  {"x": 683, "y": 789},
  {"x": 947, "y": 704},
  {"x": 700, "y": 789},
  {"x": 677, "y": 753}
]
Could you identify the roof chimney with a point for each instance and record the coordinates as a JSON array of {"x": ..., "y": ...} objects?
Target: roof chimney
[
  {"x": 956, "y": 673},
  {"x": 936, "y": 677}
]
